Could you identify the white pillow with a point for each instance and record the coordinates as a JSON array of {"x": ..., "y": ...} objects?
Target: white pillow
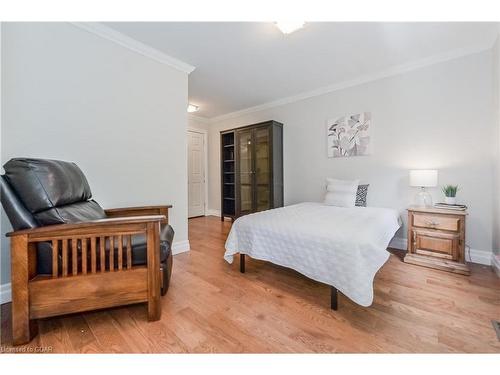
[{"x": 341, "y": 193}]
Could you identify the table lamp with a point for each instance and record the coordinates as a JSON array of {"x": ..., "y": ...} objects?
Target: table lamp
[{"x": 423, "y": 178}]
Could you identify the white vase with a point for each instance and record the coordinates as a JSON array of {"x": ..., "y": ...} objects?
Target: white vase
[{"x": 450, "y": 200}]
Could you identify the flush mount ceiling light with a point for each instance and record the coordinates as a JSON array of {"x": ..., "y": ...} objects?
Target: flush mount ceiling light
[
  {"x": 289, "y": 26},
  {"x": 193, "y": 108}
]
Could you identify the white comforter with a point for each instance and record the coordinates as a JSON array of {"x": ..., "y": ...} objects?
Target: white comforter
[{"x": 343, "y": 247}]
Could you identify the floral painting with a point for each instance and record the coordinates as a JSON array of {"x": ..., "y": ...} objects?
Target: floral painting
[{"x": 349, "y": 135}]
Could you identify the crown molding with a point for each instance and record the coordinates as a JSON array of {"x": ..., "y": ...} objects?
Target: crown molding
[
  {"x": 395, "y": 70},
  {"x": 133, "y": 45}
]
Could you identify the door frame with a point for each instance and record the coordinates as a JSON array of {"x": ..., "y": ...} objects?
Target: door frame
[{"x": 205, "y": 156}]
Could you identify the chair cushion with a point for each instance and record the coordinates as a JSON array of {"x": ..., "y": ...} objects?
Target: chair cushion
[
  {"x": 71, "y": 213},
  {"x": 139, "y": 246},
  {"x": 42, "y": 184}
]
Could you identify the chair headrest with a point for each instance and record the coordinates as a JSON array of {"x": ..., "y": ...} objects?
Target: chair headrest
[{"x": 42, "y": 184}]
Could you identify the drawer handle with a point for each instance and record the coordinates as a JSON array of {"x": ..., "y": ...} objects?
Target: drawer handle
[{"x": 432, "y": 223}]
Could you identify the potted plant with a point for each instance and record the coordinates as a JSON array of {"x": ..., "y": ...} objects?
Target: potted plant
[{"x": 450, "y": 193}]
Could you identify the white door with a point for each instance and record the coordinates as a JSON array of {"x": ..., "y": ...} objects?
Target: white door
[{"x": 196, "y": 174}]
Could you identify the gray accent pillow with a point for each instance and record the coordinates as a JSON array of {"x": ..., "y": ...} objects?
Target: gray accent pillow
[{"x": 361, "y": 195}]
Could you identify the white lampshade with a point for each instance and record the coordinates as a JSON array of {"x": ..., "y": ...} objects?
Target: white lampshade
[{"x": 424, "y": 177}]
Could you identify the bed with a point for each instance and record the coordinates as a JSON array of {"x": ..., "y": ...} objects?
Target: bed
[{"x": 338, "y": 246}]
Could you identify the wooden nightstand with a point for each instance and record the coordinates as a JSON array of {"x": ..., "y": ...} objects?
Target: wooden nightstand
[{"x": 436, "y": 239}]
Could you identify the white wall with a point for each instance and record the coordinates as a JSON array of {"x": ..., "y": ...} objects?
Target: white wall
[
  {"x": 440, "y": 116},
  {"x": 69, "y": 94},
  {"x": 198, "y": 123},
  {"x": 496, "y": 186}
]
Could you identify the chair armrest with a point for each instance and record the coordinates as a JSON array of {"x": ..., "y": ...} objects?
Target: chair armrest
[
  {"x": 93, "y": 227},
  {"x": 139, "y": 211}
]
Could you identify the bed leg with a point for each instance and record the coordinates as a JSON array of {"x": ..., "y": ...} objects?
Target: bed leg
[
  {"x": 334, "y": 299},
  {"x": 242, "y": 263}
]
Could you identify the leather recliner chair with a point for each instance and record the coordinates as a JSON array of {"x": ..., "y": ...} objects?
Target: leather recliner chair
[{"x": 40, "y": 192}]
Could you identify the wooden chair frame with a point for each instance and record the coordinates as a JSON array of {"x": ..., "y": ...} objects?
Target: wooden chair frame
[{"x": 77, "y": 286}]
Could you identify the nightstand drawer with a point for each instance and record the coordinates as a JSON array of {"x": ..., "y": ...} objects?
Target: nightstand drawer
[
  {"x": 436, "y": 244},
  {"x": 436, "y": 222}
]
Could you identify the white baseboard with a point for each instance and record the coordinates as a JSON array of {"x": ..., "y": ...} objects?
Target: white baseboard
[
  {"x": 476, "y": 256},
  {"x": 180, "y": 247},
  {"x": 495, "y": 263},
  {"x": 5, "y": 293},
  {"x": 212, "y": 212}
]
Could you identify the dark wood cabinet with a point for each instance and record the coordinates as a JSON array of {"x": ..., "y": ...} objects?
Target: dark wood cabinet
[{"x": 251, "y": 169}]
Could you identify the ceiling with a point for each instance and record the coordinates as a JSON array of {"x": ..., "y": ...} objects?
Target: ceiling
[{"x": 245, "y": 64}]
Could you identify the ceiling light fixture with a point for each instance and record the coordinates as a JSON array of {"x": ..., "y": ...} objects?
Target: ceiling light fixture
[
  {"x": 289, "y": 26},
  {"x": 193, "y": 108}
]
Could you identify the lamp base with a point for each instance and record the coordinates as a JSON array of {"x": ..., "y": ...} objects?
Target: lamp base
[{"x": 423, "y": 198}]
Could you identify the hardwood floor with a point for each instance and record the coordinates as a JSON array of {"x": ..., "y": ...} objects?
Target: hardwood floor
[{"x": 211, "y": 307}]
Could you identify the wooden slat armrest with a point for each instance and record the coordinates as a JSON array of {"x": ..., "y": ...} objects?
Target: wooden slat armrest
[
  {"x": 87, "y": 226},
  {"x": 140, "y": 210}
]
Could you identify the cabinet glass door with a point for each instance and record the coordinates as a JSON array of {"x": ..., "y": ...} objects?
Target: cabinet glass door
[
  {"x": 262, "y": 169},
  {"x": 245, "y": 170}
]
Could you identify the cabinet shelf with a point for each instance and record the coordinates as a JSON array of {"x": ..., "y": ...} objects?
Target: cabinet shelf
[
  {"x": 229, "y": 160},
  {"x": 229, "y": 145}
]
